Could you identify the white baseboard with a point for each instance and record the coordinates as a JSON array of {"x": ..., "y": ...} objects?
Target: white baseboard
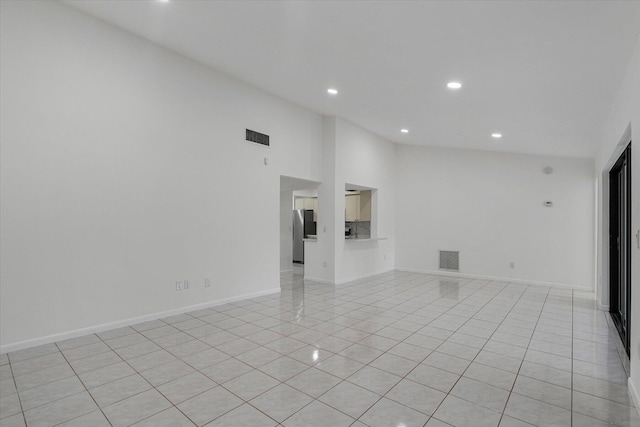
[
  {"x": 603, "y": 307},
  {"x": 318, "y": 280},
  {"x": 497, "y": 278},
  {"x": 343, "y": 281},
  {"x": 633, "y": 391},
  {"x": 6, "y": 348},
  {"x": 352, "y": 279},
  {"x": 286, "y": 271}
]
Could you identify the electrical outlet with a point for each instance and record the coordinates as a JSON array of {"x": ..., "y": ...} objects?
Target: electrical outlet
[
  {"x": 512, "y": 264},
  {"x": 178, "y": 285},
  {"x": 385, "y": 257},
  {"x": 324, "y": 264},
  {"x": 207, "y": 283},
  {"x": 186, "y": 284}
]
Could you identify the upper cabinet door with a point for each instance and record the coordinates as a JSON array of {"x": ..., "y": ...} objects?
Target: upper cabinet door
[
  {"x": 308, "y": 203},
  {"x": 351, "y": 205},
  {"x": 365, "y": 206},
  {"x": 315, "y": 209}
]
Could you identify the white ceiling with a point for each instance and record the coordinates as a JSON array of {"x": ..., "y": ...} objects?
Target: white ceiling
[{"x": 543, "y": 73}]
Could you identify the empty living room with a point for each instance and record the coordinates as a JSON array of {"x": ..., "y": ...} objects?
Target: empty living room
[{"x": 303, "y": 213}]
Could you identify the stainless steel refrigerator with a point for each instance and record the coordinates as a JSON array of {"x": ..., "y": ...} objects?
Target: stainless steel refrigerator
[{"x": 303, "y": 225}]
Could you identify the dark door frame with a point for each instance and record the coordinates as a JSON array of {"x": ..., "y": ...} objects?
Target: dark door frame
[{"x": 620, "y": 246}]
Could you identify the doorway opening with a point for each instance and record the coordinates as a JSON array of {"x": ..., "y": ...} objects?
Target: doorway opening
[
  {"x": 298, "y": 219},
  {"x": 620, "y": 246}
]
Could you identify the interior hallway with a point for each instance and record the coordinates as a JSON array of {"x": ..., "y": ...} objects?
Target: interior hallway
[{"x": 394, "y": 349}]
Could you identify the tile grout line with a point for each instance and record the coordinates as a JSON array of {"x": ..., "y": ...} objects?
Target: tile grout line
[
  {"x": 365, "y": 365},
  {"x": 136, "y": 394},
  {"x": 453, "y": 332},
  {"x": 522, "y": 361},
  {"x": 13, "y": 378},
  {"x": 524, "y": 356},
  {"x": 572, "y": 344},
  {"x": 85, "y": 389}
]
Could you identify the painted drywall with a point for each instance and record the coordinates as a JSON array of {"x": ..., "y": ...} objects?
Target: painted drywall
[
  {"x": 489, "y": 206},
  {"x": 124, "y": 168},
  {"x": 353, "y": 155},
  {"x": 367, "y": 160},
  {"x": 320, "y": 255},
  {"x": 622, "y": 126},
  {"x": 286, "y": 231}
]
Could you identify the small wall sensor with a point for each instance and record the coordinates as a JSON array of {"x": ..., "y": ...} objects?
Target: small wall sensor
[
  {"x": 548, "y": 170},
  {"x": 266, "y": 161},
  {"x": 548, "y": 204}
]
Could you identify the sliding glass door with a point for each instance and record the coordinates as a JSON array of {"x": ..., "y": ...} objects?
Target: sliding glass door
[{"x": 620, "y": 244}]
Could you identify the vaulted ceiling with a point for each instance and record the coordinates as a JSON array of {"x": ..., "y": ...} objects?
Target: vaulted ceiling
[{"x": 544, "y": 74}]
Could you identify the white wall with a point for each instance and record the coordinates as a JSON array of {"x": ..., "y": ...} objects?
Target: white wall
[
  {"x": 623, "y": 124},
  {"x": 124, "y": 168},
  {"x": 365, "y": 159},
  {"x": 353, "y": 155},
  {"x": 319, "y": 256},
  {"x": 286, "y": 231},
  {"x": 489, "y": 206}
]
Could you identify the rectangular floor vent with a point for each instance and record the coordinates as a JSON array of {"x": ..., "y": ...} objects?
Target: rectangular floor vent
[
  {"x": 450, "y": 260},
  {"x": 257, "y": 137}
]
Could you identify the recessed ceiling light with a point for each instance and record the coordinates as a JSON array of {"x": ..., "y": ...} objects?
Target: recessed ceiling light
[
  {"x": 332, "y": 91},
  {"x": 454, "y": 85},
  {"x": 163, "y": 1},
  {"x": 496, "y": 135},
  {"x": 404, "y": 130}
]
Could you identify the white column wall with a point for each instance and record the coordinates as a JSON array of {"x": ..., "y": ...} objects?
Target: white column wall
[
  {"x": 363, "y": 158},
  {"x": 319, "y": 263}
]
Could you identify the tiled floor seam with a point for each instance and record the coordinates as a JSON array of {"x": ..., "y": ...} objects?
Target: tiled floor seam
[
  {"x": 218, "y": 384},
  {"x": 434, "y": 350},
  {"x": 13, "y": 378},
  {"x": 572, "y": 343},
  {"x": 136, "y": 394},
  {"x": 86, "y": 390},
  {"x": 405, "y": 376},
  {"x": 522, "y": 361},
  {"x": 343, "y": 380}
]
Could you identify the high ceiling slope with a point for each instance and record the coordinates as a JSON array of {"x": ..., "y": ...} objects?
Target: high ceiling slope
[{"x": 542, "y": 73}]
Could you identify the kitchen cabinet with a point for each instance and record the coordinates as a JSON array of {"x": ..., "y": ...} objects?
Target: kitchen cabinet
[
  {"x": 307, "y": 203},
  {"x": 315, "y": 209},
  {"x": 365, "y": 206},
  {"x": 357, "y": 207},
  {"x": 351, "y": 207}
]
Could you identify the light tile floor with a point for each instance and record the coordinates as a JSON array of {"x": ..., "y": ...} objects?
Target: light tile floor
[{"x": 398, "y": 349}]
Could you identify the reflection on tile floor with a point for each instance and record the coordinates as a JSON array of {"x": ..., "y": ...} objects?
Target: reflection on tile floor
[{"x": 397, "y": 349}]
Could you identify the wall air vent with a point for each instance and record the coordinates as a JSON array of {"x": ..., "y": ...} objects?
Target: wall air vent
[
  {"x": 257, "y": 137},
  {"x": 450, "y": 260}
]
